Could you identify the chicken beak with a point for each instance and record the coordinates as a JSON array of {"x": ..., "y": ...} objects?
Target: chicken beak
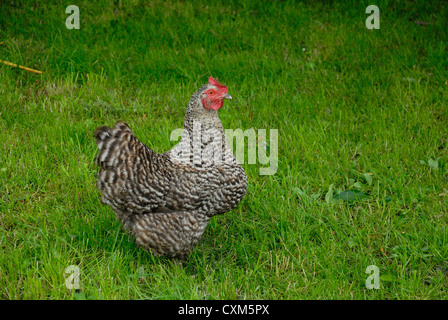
[{"x": 227, "y": 96}]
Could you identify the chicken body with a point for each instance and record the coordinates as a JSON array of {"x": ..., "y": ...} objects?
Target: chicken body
[{"x": 166, "y": 200}]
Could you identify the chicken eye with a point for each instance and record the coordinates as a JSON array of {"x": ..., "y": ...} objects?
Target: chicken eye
[{"x": 211, "y": 92}]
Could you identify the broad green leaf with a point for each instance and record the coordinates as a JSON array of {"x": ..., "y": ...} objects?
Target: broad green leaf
[
  {"x": 433, "y": 164},
  {"x": 351, "y": 195},
  {"x": 329, "y": 195},
  {"x": 368, "y": 178}
]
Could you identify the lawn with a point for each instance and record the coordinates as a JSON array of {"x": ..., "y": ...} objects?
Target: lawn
[{"x": 361, "y": 116}]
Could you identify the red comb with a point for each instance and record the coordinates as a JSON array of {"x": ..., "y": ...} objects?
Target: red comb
[{"x": 215, "y": 83}]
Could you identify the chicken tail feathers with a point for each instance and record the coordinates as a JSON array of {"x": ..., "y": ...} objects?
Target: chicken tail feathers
[
  {"x": 114, "y": 150},
  {"x": 125, "y": 178},
  {"x": 110, "y": 141}
]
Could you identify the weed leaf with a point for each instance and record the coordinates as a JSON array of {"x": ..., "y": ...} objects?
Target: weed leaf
[{"x": 351, "y": 195}]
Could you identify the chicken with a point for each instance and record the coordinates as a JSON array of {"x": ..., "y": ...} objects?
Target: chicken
[{"x": 166, "y": 200}]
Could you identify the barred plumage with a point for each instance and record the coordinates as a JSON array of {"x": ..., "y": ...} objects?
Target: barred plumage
[{"x": 166, "y": 200}]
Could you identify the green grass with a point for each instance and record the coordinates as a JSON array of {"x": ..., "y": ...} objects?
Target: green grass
[{"x": 355, "y": 109}]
